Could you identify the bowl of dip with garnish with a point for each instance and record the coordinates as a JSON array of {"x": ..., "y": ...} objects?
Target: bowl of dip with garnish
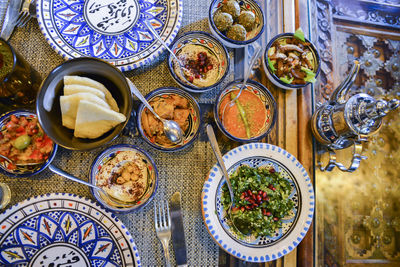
[{"x": 248, "y": 117}]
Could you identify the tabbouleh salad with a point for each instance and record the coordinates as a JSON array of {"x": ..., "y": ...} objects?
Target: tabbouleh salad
[{"x": 261, "y": 198}]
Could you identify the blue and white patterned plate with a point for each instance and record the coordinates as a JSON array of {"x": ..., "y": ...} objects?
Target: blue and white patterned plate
[
  {"x": 111, "y": 30},
  {"x": 295, "y": 225},
  {"x": 64, "y": 230}
]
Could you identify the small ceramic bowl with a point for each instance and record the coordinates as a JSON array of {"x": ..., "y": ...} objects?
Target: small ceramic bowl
[
  {"x": 152, "y": 173},
  {"x": 193, "y": 128},
  {"x": 48, "y": 100},
  {"x": 195, "y": 42},
  {"x": 245, "y": 5},
  {"x": 259, "y": 101},
  {"x": 24, "y": 171},
  {"x": 273, "y": 77}
]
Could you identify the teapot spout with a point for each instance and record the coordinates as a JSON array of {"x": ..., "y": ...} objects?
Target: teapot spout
[{"x": 341, "y": 91}]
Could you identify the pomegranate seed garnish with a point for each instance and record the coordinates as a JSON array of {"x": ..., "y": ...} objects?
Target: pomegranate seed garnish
[
  {"x": 209, "y": 67},
  {"x": 269, "y": 213},
  {"x": 264, "y": 195},
  {"x": 272, "y": 170},
  {"x": 276, "y": 219}
]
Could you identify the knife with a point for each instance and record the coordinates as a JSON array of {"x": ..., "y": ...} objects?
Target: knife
[
  {"x": 10, "y": 19},
  {"x": 178, "y": 235}
]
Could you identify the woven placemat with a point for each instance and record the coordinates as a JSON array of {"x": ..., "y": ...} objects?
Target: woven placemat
[{"x": 183, "y": 171}]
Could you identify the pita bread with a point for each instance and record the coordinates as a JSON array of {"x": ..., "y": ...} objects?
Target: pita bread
[
  {"x": 93, "y": 121},
  {"x": 69, "y": 106},
  {"x": 78, "y": 80},
  {"x": 71, "y": 89}
]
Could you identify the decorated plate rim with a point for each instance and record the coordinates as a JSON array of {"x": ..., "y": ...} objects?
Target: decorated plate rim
[
  {"x": 122, "y": 64},
  {"x": 5, "y": 216},
  {"x": 306, "y": 211}
]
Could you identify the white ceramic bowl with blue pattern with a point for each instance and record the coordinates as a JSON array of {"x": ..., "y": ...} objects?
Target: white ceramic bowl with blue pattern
[
  {"x": 111, "y": 30},
  {"x": 294, "y": 226},
  {"x": 214, "y": 47},
  {"x": 152, "y": 174}
]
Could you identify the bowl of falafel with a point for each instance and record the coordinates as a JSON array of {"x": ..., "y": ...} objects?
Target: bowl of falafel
[{"x": 236, "y": 23}]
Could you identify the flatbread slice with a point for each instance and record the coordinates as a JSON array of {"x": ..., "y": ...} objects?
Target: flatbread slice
[
  {"x": 93, "y": 121},
  {"x": 95, "y": 84},
  {"x": 71, "y": 89},
  {"x": 69, "y": 106}
]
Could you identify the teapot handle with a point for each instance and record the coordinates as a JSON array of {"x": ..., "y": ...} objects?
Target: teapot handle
[
  {"x": 355, "y": 162},
  {"x": 341, "y": 91}
]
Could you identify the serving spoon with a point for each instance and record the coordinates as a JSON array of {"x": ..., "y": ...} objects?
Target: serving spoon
[
  {"x": 20, "y": 164},
  {"x": 113, "y": 200},
  {"x": 181, "y": 66},
  {"x": 171, "y": 128},
  {"x": 257, "y": 50},
  {"x": 217, "y": 152}
]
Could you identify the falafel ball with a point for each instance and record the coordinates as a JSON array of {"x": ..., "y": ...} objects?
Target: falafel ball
[
  {"x": 223, "y": 21},
  {"x": 247, "y": 19},
  {"x": 231, "y": 7},
  {"x": 236, "y": 32}
]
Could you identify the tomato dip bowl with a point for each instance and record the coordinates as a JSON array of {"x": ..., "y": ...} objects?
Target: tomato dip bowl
[
  {"x": 23, "y": 141},
  {"x": 250, "y": 117}
]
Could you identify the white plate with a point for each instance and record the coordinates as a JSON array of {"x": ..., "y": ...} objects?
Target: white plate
[
  {"x": 111, "y": 30},
  {"x": 64, "y": 230},
  {"x": 295, "y": 225}
]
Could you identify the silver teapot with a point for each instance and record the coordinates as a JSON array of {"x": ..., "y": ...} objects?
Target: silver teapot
[{"x": 341, "y": 123}]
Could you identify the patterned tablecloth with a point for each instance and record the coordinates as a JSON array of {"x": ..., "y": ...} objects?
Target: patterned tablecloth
[{"x": 182, "y": 171}]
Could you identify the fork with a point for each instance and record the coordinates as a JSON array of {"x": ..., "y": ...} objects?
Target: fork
[
  {"x": 162, "y": 223},
  {"x": 24, "y": 15}
]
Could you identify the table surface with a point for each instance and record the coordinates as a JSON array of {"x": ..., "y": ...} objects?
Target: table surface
[
  {"x": 181, "y": 171},
  {"x": 367, "y": 233}
]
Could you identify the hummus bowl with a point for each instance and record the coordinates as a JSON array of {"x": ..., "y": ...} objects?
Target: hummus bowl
[
  {"x": 38, "y": 148},
  {"x": 173, "y": 104},
  {"x": 127, "y": 173},
  {"x": 258, "y": 106},
  {"x": 205, "y": 60}
]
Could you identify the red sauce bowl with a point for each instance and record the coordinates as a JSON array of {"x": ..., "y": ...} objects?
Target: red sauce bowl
[{"x": 256, "y": 105}]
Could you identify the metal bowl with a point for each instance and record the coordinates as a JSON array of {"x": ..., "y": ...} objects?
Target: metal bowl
[
  {"x": 25, "y": 171},
  {"x": 207, "y": 41},
  {"x": 253, "y": 35},
  {"x": 48, "y": 101},
  {"x": 273, "y": 78},
  {"x": 194, "y": 118},
  {"x": 265, "y": 97},
  {"x": 108, "y": 154}
]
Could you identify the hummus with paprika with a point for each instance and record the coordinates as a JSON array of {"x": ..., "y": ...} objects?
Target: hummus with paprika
[{"x": 124, "y": 177}]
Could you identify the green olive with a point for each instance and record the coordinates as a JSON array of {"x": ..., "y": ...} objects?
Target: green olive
[{"x": 22, "y": 142}]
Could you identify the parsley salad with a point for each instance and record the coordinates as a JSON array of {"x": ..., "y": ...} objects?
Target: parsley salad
[{"x": 261, "y": 200}]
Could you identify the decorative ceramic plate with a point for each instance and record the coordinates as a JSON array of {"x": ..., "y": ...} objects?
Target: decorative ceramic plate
[
  {"x": 111, "y": 30},
  {"x": 64, "y": 230},
  {"x": 294, "y": 226}
]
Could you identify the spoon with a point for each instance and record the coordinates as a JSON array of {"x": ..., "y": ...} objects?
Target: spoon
[
  {"x": 257, "y": 49},
  {"x": 217, "y": 152},
  {"x": 20, "y": 164},
  {"x": 113, "y": 200},
  {"x": 181, "y": 66},
  {"x": 171, "y": 128}
]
